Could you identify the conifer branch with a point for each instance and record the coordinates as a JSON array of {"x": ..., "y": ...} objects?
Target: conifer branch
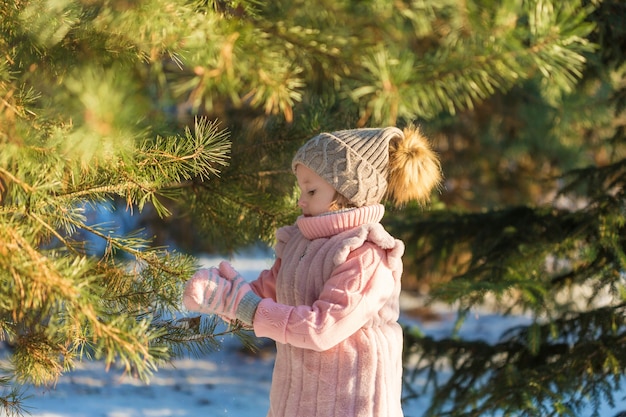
[
  {"x": 12, "y": 178},
  {"x": 54, "y": 232}
]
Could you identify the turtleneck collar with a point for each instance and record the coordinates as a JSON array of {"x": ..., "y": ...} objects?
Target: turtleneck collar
[{"x": 334, "y": 222}]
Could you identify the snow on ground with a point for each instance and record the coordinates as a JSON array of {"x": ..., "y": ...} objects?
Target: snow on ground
[{"x": 228, "y": 382}]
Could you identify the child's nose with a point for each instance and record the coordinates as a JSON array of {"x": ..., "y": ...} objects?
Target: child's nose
[{"x": 301, "y": 202}]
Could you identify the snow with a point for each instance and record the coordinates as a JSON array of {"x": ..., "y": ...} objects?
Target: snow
[
  {"x": 223, "y": 383},
  {"x": 227, "y": 382}
]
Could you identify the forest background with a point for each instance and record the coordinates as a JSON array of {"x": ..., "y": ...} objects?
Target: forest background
[{"x": 185, "y": 114}]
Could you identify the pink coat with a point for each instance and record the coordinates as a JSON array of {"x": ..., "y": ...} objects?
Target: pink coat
[{"x": 330, "y": 301}]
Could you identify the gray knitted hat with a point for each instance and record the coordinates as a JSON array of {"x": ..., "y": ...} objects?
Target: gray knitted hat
[{"x": 353, "y": 161}]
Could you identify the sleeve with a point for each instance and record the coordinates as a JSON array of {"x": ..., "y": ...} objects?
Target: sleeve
[
  {"x": 265, "y": 285},
  {"x": 355, "y": 292}
]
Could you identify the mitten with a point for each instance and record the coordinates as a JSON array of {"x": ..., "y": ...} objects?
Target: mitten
[
  {"x": 208, "y": 292},
  {"x": 249, "y": 302}
]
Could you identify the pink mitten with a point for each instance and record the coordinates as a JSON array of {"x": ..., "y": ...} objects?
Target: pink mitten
[{"x": 208, "y": 292}]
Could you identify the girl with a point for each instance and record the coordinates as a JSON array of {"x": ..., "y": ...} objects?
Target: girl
[{"x": 331, "y": 299}]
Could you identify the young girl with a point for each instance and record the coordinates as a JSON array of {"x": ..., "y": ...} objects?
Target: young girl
[{"x": 330, "y": 300}]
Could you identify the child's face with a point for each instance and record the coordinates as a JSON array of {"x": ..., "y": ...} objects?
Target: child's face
[{"x": 316, "y": 195}]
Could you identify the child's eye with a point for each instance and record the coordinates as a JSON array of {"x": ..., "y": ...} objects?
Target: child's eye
[{"x": 311, "y": 192}]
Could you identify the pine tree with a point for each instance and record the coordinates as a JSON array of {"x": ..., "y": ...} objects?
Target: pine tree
[
  {"x": 546, "y": 238},
  {"x": 191, "y": 109},
  {"x": 77, "y": 134}
]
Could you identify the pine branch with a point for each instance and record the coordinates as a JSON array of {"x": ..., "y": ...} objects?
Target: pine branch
[
  {"x": 470, "y": 69},
  {"x": 585, "y": 352}
]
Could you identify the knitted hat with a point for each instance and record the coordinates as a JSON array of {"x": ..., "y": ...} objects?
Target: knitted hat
[{"x": 354, "y": 162}]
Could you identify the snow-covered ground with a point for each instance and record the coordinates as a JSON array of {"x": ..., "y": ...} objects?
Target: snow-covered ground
[{"x": 228, "y": 382}]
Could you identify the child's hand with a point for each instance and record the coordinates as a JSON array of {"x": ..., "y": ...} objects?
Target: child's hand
[{"x": 208, "y": 292}]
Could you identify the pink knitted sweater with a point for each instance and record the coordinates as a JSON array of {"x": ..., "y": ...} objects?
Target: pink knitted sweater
[{"x": 330, "y": 301}]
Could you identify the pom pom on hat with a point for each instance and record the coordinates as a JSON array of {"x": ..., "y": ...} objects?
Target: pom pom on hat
[
  {"x": 414, "y": 169},
  {"x": 367, "y": 165}
]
